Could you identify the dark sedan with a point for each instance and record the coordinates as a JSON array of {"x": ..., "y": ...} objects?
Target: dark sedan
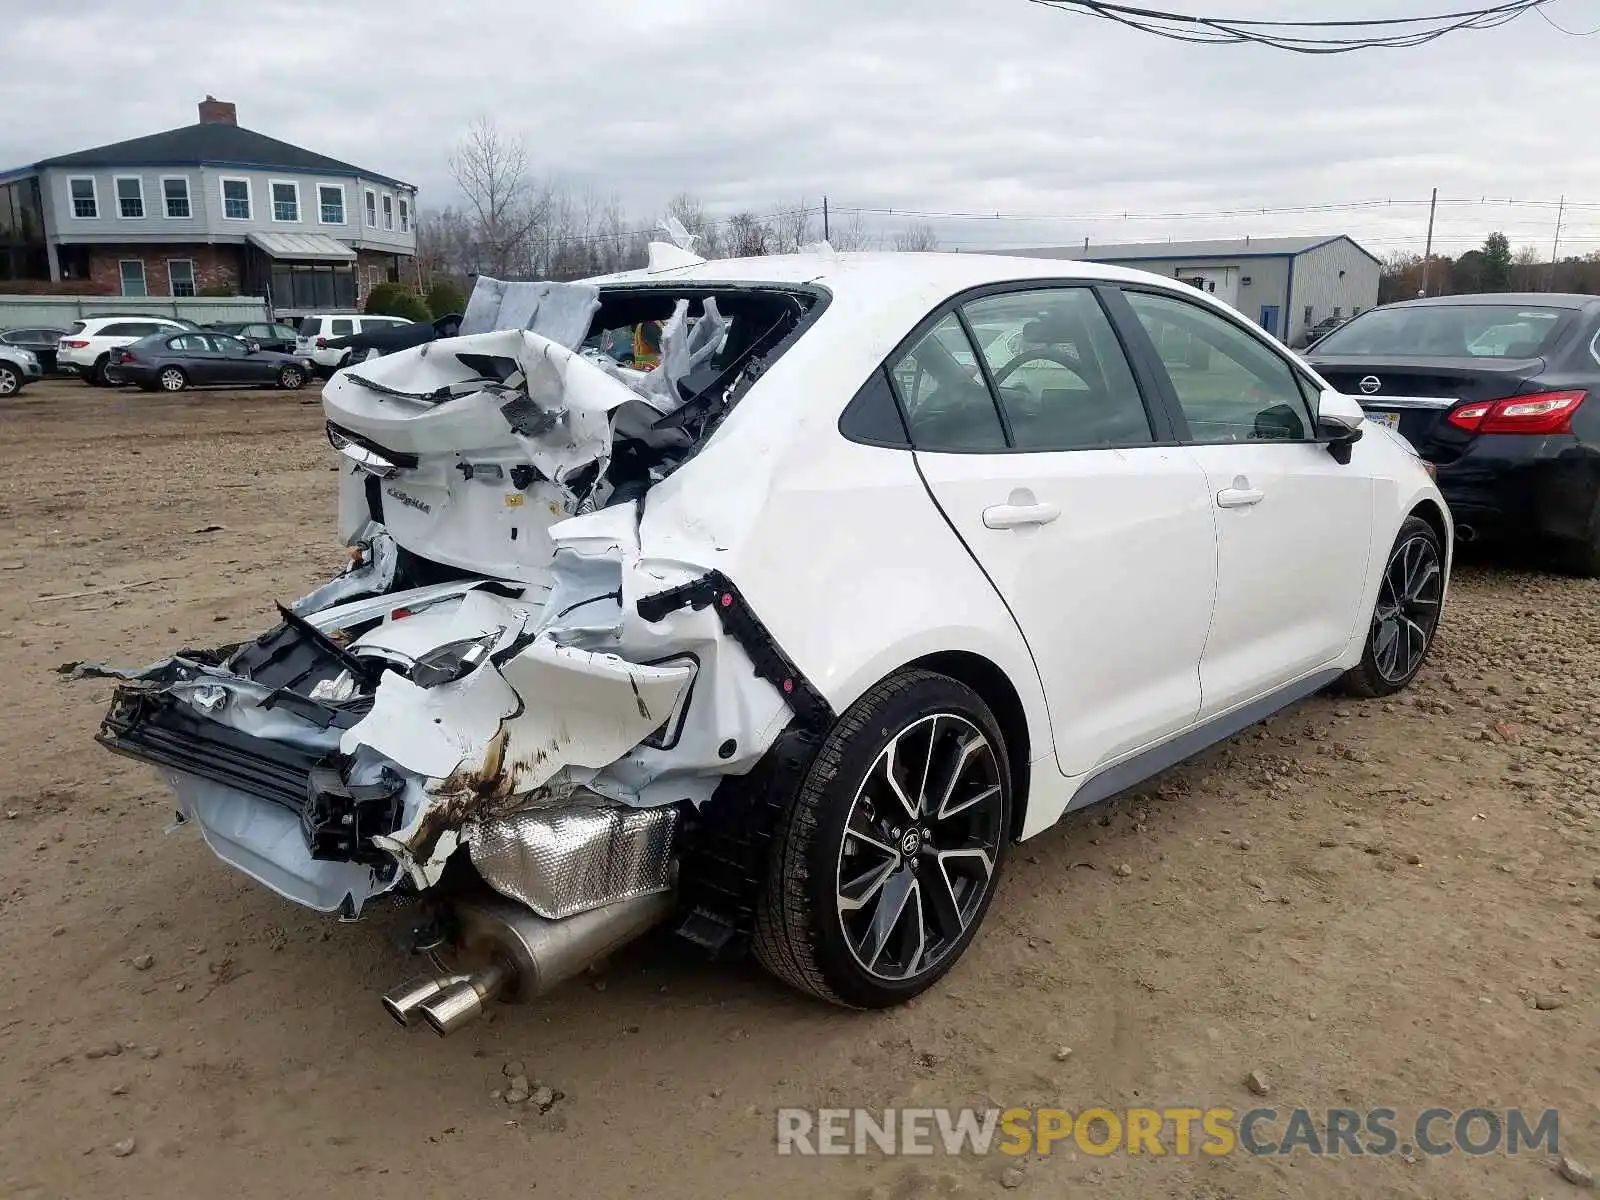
[
  {"x": 40, "y": 340},
  {"x": 172, "y": 362},
  {"x": 268, "y": 336},
  {"x": 1498, "y": 392}
]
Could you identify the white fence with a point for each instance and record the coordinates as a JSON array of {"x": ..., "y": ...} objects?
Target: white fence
[{"x": 57, "y": 312}]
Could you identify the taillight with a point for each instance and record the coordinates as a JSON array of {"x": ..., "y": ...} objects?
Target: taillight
[
  {"x": 74, "y": 345},
  {"x": 1542, "y": 412},
  {"x": 322, "y": 343}
]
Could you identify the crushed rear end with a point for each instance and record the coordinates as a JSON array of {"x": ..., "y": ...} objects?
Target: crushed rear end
[{"x": 506, "y": 704}]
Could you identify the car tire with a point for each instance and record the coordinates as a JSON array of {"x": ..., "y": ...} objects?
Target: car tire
[
  {"x": 867, "y": 903},
  {"x": 105, "y": 374},
  {"x": 1405, "y": 617},
  {"x": 91, "y": 374},
  {"x": 10, "y": 381},
  {"x": 291, "y": 379},
  {"x": 173, "y": 379}
]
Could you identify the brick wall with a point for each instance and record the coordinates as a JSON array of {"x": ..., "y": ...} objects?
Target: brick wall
[
  {"x": 373, "y": 266},
  {"x": 214, "y": 266}
]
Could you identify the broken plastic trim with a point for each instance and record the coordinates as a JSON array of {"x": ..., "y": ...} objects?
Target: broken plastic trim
[{"x": 740, "y": 623}]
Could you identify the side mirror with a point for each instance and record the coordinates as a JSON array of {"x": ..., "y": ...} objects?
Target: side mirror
[
  {"x": 251, "y": 345},
  {"x": 1339, "y": 419}
]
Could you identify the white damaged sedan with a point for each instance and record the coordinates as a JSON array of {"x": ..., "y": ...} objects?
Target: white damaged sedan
[{"x": 886, "y": 564}]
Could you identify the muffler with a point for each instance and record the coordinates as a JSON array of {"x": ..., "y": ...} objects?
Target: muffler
[
  {"x": 1466, "y": 534},
  {"x": 519, "y": 955}
]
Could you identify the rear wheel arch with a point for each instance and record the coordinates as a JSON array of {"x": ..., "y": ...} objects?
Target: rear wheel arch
[
  {"x": 1429, "y": 511},
  {"x": 1005, "y": 702}
]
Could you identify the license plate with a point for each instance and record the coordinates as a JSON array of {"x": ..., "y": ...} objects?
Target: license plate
[{"x": 1391, "y": 419}]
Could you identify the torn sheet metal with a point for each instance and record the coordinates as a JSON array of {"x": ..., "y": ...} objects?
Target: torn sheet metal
[
  {"x": 370, "y": 575},
  {"x": 558, "y": 311}
]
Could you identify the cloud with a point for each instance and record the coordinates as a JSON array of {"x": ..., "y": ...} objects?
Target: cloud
[{"x": 948, "y": 106}]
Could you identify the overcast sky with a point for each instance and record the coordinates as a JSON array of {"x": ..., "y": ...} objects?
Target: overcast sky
[{"x": 966, "y": 106}]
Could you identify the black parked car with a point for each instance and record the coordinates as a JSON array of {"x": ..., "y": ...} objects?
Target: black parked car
[
  {"x": 40, "y": 340},
  {"x": 1321, "y": 330},
  {"x": 265, "y": 334},
  {"x": 174, "y": 361},
  {"x": 386, "y": 339},
  {"x": 1499, "y": 392}
]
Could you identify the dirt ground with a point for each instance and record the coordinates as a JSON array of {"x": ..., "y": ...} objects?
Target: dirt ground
[{"x": 1372, "y": 904}]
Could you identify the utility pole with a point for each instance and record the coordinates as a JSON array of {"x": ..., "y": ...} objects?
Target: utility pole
[
  {"x": 1427, "y": 253},
  {"x": 1555, "y": 250},
  {"x": 824, "y": 218}
]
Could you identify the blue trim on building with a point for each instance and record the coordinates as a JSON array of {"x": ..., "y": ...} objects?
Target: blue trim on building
[
  {"x": 1123, "y": 258},
  {"x": 1288, "y": 301}
]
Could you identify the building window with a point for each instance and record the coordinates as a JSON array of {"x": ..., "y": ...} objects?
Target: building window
[
  {"x": 1337, "y": 311},
  {"x": 1308, "y": 314},
  {"x": 405, "y": 216},
  {"x": 372, "y": 210},
  {"x": 330, "y": 204},
  {"x": 181, "y": 273},
  {"x": 388, "y": 212},
  {"x": 85, "y": 203},
  {"x": 175, "y": 195},
  {"x": 285, "y": 201},
  {"x": 236, "y": 199},
  {"x": 130, "y": 198},
  {"x": 133, "y": 277}
]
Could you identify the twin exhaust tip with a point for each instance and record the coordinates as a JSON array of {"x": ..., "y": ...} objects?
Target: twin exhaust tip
[{"x": 448, "y": 1003}]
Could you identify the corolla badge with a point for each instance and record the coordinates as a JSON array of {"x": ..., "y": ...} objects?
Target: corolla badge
[{"x": 1370, "y": 385}]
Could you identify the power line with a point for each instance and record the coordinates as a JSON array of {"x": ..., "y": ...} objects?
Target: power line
[
  {"x": 1301, "y": 37},
  {"x": 1550, "y": 21}
]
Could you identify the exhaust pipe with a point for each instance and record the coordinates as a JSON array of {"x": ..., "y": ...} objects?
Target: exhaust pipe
[
  {"x": 1466, "y": 534},
  {"x": 460, "y": 1004},
  {"x": 402, "y": 1002},
  {"x": 526, "y": 955}
]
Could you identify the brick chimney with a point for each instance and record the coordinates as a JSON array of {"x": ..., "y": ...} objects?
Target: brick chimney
[{"x": 217, "y": 112}]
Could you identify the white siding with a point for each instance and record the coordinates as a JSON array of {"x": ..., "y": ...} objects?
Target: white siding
[
  {"x": 1339, "y": 276},
  {"x": 206, "y": 223}
]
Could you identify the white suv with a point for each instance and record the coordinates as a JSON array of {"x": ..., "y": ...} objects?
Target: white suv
[
  {"x": 317, "y": 330},
  {"x": 87, "y": 345}
]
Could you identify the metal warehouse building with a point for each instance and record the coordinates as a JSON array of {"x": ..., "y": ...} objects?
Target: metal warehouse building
[{"x": 1284, "y": 284}]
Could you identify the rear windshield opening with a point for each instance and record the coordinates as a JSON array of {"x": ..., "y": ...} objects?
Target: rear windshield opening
[
  {"x": 1450, "y": 331},
  {"x": 75, "y": 328},
  {"x": 309, "y": 326}
]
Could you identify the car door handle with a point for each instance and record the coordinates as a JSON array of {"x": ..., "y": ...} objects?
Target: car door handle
[
  {"x": 1015, "y": 516},
  {"x": 1239, "y": 497}
]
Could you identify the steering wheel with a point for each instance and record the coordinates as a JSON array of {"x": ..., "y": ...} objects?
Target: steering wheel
[{"x": 1031, "y": 356}]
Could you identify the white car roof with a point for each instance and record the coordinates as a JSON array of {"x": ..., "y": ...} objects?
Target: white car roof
[{"x": 882, "y": 271}]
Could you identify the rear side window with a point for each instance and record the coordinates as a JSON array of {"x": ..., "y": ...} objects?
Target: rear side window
[
  {"x": 942, "y": 391},
  {"x": 1231, "y": 387},
  {"x": 1061, "y": 374},
  {"x": 340, "y": 328},
  {"x": 187, "y": 343}
]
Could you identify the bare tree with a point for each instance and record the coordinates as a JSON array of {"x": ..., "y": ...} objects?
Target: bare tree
[
  {"x": 491, "y": 169},
  {"x": 792, "y": 227},
  {"x": 747, "y": 236},
  {"x": 916, "y": 237},
  {"x": 849, "y": 235}
]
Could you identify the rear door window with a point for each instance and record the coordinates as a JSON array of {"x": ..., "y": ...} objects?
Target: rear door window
[
  {"x": 1061, "y": 374},
  {"x": 946, "y": 401}
]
